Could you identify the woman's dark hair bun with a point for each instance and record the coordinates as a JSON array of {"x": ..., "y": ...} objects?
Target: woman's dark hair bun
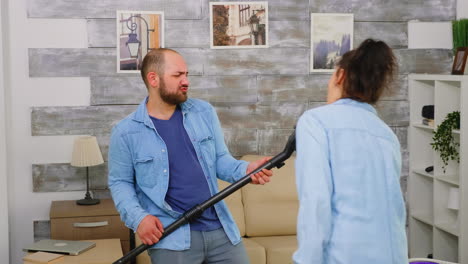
[{"x": 369, "y": 70}]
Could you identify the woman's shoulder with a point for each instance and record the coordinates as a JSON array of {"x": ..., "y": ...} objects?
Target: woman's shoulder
[
  {"x": 312, "y": 118},
  {"x": 324, "y": 113}
]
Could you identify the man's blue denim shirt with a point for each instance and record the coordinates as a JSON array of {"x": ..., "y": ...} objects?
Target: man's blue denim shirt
[{"x": 139, "y": 169}]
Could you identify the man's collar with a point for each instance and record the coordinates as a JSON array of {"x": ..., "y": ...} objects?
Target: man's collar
[{"x": 141, "y": 114}]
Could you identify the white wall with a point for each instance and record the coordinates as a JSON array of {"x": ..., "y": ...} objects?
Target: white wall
[
  {"x": 23, "y": 93},
  {"x": 429, "y": 35},
  {"x": 436, "y": 35},
  {"x": 462, "y": 9},
  {"x": 4, "y": 238}
]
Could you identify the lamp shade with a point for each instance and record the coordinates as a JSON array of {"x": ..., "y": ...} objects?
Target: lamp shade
[
  {"x": 86, "y": 152},
  {"x": 453, "y": 199}
]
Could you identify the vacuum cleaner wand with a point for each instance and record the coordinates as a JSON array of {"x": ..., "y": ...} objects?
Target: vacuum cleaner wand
[{"x": 277, "y": 161}]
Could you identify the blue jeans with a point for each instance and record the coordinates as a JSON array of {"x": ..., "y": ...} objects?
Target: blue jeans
[{"x": 205, "y": 248}]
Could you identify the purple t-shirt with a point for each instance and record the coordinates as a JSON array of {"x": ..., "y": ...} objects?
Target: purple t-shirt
[{"x": 187, "y": 183}]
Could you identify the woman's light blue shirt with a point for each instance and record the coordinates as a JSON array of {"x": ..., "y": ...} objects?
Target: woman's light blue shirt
[{"x": 348, "y": 178}]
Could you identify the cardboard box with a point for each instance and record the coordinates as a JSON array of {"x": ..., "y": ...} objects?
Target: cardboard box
[{"x": 43, "y": 258}]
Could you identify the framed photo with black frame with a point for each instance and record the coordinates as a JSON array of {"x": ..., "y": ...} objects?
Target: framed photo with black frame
[{"x": 459, "y": 62}]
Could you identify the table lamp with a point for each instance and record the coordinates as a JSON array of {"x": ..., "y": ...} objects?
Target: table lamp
[
  {"x": 86, "y": 153},
  {"x": 454, "y": 201}
]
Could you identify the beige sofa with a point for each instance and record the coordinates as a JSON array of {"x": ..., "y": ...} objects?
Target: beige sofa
[{"x": 266, "y": 217}]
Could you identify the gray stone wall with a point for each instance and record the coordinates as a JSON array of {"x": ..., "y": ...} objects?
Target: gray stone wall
[{"x": 258, "y": 93}]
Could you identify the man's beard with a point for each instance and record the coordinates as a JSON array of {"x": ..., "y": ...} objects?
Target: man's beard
[{"x": 171, "y": 98}]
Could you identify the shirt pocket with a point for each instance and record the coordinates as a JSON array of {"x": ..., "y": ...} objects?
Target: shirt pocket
[
  {"x": 145, "y": 171},
  {"x": 208, "y": 151}
]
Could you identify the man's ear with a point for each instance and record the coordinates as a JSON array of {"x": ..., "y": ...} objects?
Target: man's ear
[{"x": 153, "y": 79}]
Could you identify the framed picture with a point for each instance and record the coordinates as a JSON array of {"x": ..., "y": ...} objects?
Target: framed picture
[
  {"x": 238, "y": 25},
  {"x": 138, "y": 32},
  {"x": 459, "y": 62},
  {"x": 331, "y": 37}
]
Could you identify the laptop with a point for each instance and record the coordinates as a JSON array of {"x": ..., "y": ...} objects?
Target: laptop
[{"x": 69, "y": 247}]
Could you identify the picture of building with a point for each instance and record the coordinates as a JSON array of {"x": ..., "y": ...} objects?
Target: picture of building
[{"x": 239, "y": 24}]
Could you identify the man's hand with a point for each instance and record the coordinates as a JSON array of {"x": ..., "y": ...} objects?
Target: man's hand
[
  {"x": 150, "y": 230},
  {"x": 262, "y": 176}
]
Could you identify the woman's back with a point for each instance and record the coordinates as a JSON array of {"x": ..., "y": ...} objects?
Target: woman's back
[
  {"x": 348, "y": 168},
  {"x": 367, "y": 200}
]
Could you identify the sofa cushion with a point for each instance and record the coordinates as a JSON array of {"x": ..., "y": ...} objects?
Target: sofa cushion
[
  {"x": 234, "y": 203},
  {"x": 255, "y": 252},
  {"x": 279, "y": 249},
  {"x": 271, "y": 209}
]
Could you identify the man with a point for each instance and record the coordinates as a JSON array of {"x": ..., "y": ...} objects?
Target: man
[{"x": 165, "y": 158}]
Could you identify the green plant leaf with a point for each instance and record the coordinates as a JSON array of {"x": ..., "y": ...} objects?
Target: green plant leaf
[
  {"x": 444, "y": 141},
  {"x": 459, "y": 34}
]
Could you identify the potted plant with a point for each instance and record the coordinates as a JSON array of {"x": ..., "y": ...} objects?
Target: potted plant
[
  {"x": 460, "y": 34},
  {"x": 444, "y": 141}
]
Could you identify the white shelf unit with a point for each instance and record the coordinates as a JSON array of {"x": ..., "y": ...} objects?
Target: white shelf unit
[{"x": 433, "y": 227}]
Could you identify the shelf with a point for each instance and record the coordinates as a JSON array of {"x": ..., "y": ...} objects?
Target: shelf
[
  {"x": 451, "y": 179},
  {"x": 420, "y": 238},
  {"x": 432, "y": 228},
  {"x": 425, "y": 218},
  {"x": 437, "y": 77},
  {"x": 448, "y": 227},
  {"x": 422, "y": 172},
  {"x": 426, "y": 127},
  {"x": 446, "y": 246},
  {"x": 431, "y": 129}
]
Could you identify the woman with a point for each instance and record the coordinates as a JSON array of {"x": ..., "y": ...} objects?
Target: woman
[{"x": 348, "y": 168}]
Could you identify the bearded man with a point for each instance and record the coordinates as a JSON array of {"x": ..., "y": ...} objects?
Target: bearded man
[{"x": 165, "y": 158}]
